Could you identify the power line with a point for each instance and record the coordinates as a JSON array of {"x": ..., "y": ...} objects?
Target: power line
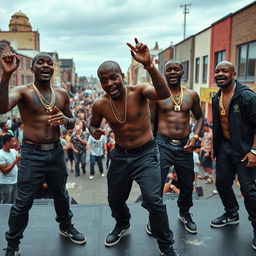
[{"x": 185, "y": 12}]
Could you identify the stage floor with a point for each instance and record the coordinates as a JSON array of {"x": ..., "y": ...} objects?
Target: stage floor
[{"x": 41, "y": 237}]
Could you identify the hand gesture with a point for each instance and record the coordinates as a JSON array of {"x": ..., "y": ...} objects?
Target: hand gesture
[
  {"x": 57, "y": 119},
  {"x": 10, "y": 62},
  {"x": 98, "y": 132},
  {"x": 190, "y": 145},
  {"x": 250, "y": 158},
  {"x": 140, "y": 53}
]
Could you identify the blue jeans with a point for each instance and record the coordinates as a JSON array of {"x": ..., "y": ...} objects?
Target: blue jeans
[
  {"x": 141, "y": 165},
  {"x": 8, "y": 193},
  {"x": 79, "y": 158},
  {"x": 97, "y": 159},
  {"x": 37, "y": 165}
]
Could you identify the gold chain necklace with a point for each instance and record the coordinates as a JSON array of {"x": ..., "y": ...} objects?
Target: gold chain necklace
[
  {"x": 223, "y": 107},
  {"x": 47, "y": 105},
  {"x": 114, "y": 109},
  {"x": 177, "y": 104}
]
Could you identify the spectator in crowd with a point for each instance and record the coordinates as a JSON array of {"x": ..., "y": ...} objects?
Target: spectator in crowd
[
  {"x": 205, "y": 156},
  {"x": 110, "y": 146},
  {"x": 234, "y": 145},
  {"x": 9, "y": 158},
  {"x": 70, "y": 152},
  {"x": 4, "y": 130},
  {"x": 78, "y": 142},
  {"x": 171, "y": 185},
  {"x": 97, "y": 149}
]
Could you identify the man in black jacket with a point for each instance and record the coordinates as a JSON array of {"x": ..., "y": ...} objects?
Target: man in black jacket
[{"x": 234, "y": 145}]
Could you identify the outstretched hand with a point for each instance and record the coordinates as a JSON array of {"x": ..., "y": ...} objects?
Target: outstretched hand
[
  {"x": 140, "y": 53},
  {"x": 10, "y": 62}
]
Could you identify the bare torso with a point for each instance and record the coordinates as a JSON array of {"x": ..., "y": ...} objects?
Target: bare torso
[
  {"x": 175, "y": 124},
  {"x": 136, "y": 131},
  {"x": 35, "y": 117}
]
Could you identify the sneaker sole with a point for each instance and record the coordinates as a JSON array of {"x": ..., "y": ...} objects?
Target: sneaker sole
[
  {"x": 74, "y": 241},
  {"x": 189, "y": 230},
  {"x": 117, "y": 241},
  {"x": 254, "y": 246},
  {"x": 148, "y": 231},
  {"x": 223, "y": 225}
]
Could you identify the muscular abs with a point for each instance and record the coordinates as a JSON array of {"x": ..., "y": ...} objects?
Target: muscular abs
[{"x": 174, "y": 124}]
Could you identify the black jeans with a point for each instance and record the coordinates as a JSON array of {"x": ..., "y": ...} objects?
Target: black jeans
[
  {"x": 184, "y": 167},
  {"x": 141, "y": 165},
  {"x": 35, "y": 166},
  {"x": 225, "y": 175}
]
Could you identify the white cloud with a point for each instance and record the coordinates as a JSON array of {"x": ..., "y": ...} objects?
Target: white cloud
[{"x": 92, "y": 31}]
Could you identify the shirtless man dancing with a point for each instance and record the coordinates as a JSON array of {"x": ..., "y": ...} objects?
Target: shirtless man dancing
[
  {"x": 136, "y": 155},
  {"x": 43, "y": 109}
]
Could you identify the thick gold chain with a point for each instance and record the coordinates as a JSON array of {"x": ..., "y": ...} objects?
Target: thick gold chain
[
  {"x": 223, "y": 106},
  {"x": 114, "y": 109},
  {"x": 47, "y": 105},
  {"x": 179, "y": 102}
]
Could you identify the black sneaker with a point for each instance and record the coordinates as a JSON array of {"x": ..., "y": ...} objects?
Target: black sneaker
[
  {"x": 74, "y": 235},
  {"x": 115, "y": 236},
  {"x": 169, "y": 252},
  {"x": 188, "y": 222},
  {"x": 225, "y": 219},
  {"x": 12, "y": 251},
  {"x": 148, "y": 229},
  {"x": 254, "y": 241}
]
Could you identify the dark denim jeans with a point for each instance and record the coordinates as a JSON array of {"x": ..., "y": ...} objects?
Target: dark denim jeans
[
  {"x": 97, "y": 159},
  {"x": 184, "y": 166},
  {"x": 35, "y": 166},
  {"x": 143, "y": 167},
  {"x": 79, "y": 159},
  {"x": 8, "y": 193},
  {"x": 225, "y": 175}
]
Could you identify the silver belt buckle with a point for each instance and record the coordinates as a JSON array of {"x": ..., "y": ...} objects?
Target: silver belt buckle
[
  {"x": 47, "y": 146},
  {"x": 175, "y": 142}
]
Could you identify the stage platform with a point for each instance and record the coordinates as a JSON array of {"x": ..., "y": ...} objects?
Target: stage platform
[{"x": 41, "y": 237}]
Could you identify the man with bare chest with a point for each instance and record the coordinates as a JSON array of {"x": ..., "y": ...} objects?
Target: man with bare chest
[
  {"x": 43, "y": 109},
  {"x": 136, "y": 155},
  {"x": 175, "y": 146},
  {"x": 234, "y": 145}
]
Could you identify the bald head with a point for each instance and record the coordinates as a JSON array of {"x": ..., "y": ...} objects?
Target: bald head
[
  {"x": 173, "y": 61},
  {"x": 41, "y": 54},
  {"x": 227, "y": 64},
  {"x": 109, "y": 65}
]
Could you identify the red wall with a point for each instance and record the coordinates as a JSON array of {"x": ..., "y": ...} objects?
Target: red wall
[{"x": 220, "y": 40}]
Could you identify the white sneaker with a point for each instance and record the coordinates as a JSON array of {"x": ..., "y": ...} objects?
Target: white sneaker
[
  {"x": 91, "y": 177},
  {"x": 102, "y": 175}
]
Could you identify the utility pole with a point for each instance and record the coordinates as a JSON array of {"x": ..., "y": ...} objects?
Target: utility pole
[{"x": 186, "y": 11}]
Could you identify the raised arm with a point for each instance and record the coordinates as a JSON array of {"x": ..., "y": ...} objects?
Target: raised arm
[
  {"x": 140, "y": 53},
  {"x": 95, "y": 121},
  {"x": 10, "y": 63}
]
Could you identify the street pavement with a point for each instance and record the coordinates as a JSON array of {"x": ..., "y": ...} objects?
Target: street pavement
[{"x": 85, "y": 191}]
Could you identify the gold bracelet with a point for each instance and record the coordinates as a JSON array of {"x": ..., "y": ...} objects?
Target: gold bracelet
[{"x": 196, "y": 136}]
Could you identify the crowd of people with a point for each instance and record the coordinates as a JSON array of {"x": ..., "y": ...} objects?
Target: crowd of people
[{"x": 56, "y": 130}]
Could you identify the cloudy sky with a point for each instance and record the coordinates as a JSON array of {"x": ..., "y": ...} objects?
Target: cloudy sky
[{"x": 92, "y": 31}]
